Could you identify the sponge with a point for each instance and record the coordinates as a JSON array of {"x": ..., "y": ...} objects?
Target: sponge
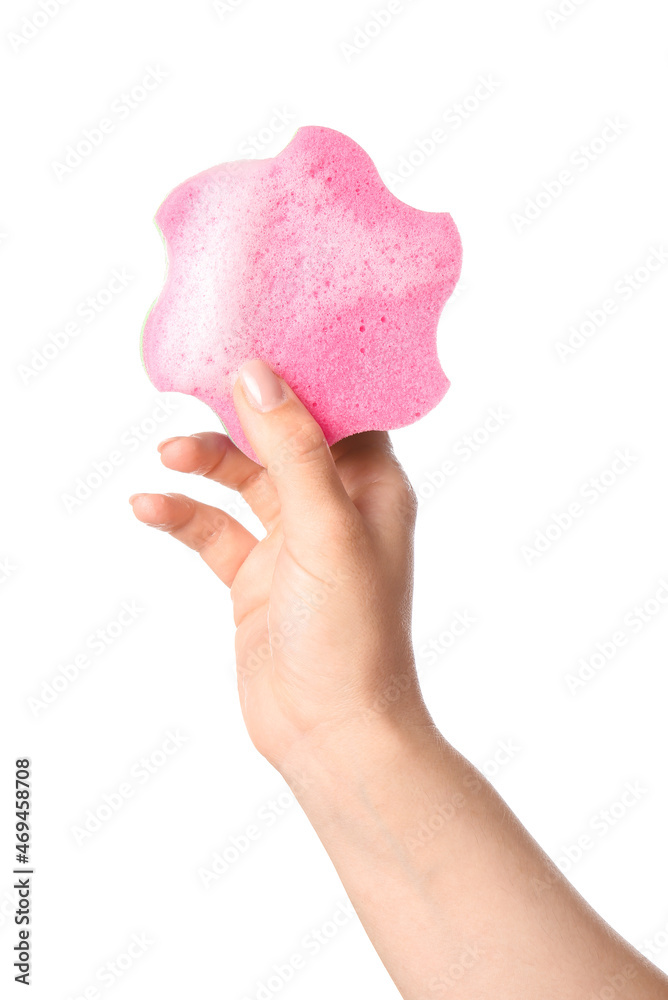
[{"x": 307, "y": 261}]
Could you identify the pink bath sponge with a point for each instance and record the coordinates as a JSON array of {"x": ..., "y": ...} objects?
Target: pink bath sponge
[{"x": 307, "y": 261}]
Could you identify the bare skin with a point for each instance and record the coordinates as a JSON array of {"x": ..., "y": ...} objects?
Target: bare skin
[{"x": 457, "y": 898}]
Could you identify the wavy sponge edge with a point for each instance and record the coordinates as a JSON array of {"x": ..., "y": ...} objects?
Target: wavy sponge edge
[{"x": 307, "y": 261}]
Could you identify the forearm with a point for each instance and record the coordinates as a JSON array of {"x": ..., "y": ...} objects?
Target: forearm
[{"x": 455, "y": 895}]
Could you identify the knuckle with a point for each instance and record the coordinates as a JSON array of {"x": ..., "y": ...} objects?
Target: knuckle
[
  {"x": 214, "y": 466},
  {"x": 255, "y": 481},
  {"x": 305, "y": 444},
  {"x": 411, "y": 500},
  {"x": 406, "y": 501},
  {"x": 208, "y": 531}
]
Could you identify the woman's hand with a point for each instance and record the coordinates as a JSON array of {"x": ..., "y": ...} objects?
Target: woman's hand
[
  {"x": 322, "y": 603},
  {"x": 455, "y": 895}
]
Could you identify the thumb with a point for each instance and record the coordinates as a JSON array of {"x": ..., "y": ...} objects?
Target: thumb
[{"x": 292, "y": 447}]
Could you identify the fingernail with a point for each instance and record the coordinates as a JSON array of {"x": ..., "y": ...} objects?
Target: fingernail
[
  {"x": 167, "y": 441},
  {"x": 264, "y": 390}
]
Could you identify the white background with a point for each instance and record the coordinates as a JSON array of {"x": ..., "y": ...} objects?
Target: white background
[{"x": 67, "y": 572}]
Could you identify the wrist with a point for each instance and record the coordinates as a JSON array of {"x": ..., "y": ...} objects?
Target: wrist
[{"x": 357, "y": 751}]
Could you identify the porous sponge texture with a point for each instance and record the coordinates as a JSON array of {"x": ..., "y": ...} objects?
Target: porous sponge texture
[{"x": 307, "y": 261}]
